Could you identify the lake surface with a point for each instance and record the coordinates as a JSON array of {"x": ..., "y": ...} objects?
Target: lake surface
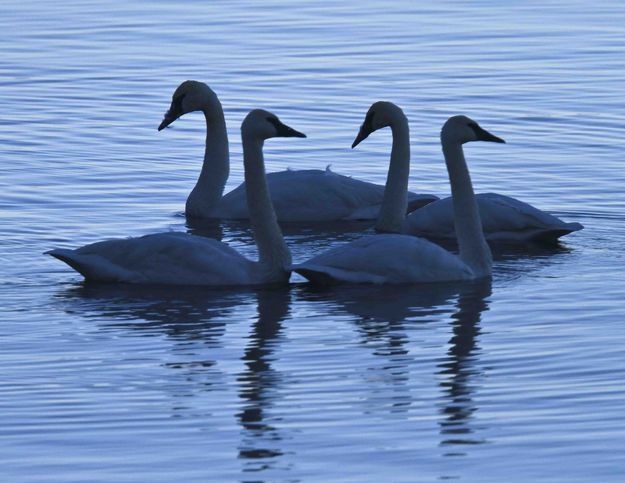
[{"x": 521, "y": 379}]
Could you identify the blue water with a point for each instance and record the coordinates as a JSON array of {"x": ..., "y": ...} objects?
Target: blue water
[{"x": 517, "y": 380}]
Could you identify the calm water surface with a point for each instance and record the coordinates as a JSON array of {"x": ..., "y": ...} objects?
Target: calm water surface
[{"x": 515, "y": 380}]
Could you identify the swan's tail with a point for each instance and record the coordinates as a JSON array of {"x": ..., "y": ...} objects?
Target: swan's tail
[
  {"x": 419, "y": 201},
  {"x": 552, "y": 235},
  {"x": 89, "y": 266},
  {"x": 326, "y": 275}
]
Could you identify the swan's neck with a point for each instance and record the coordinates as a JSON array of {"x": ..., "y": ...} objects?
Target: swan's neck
[
  {"x": 394, "y": 203},
  {"x": 272, "y": 249},
  {"x": 474, "y": 250},
  {"x": 216, "y": 168}
]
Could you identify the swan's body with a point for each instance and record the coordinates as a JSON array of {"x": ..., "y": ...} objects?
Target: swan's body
[
  {"x": 181, "y": 259},
  {"x": 384, "y": 259},
  {"x": 315, "y": 195},
  {"x": 162, "y": 258},
  {"x": 402, "y": 258},
  {"x": 298, "y": 196},
  {"x": 504, "y": 219}
]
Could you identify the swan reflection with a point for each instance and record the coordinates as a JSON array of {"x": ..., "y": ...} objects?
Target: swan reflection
[
  {"x": 388, "y": 320},
  {"x": 181, "y": 313},
  {"x": 259, "y": 384},
  {"x": 460, "y": 371},
  {"x": 196, "y": 319},
  {"x": 391, "y": 323}
]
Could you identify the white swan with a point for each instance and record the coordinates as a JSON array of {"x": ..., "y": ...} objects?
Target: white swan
[
  {"x": 298, "y": 196},
  {"x": 182, "y": 259},
  {"x": 404, "y": 258},
  {"x": 504, "y": 219}
]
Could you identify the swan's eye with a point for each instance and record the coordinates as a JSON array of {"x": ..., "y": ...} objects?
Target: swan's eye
[
  {"x": 474, "y": 127},
  {"x": 177, "y": 102},
  {"x": 274, "y": 121},
  {"x": 369, "y": 120}
]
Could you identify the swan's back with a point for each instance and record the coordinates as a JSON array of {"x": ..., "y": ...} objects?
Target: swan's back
[
  {"x": 316, "y": 195},
  {"x": 162, "y": 258},
  {"x": 385, "y": 259},
  {"x": 503, "y": 218}
]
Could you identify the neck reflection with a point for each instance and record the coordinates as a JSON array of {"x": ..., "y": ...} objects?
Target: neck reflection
[
  {"x": 386, "y": 318},
  {"x": 260, "y": 445},
  {"x": 460, "y": 370}
]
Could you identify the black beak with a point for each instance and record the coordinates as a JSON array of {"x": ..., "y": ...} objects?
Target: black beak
[
  {"x": 362, "y": 135},
  {"x": 285, "y": 131},
  {"x": 484, "y": 135},
  {"x": 168, "y": 119}
]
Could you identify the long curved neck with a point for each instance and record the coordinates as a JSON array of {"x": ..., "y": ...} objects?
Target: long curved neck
[
  {"x": 474, "y": 250},
  {"x": 272, "y": 249},
  {"x": 216, "y": 168},
  {"x": 393, "y": 210}
]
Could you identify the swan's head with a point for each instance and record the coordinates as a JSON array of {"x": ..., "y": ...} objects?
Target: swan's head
[
  {"x": 463, "y": 129},
  {"x": 380, "y": 114},
  {"x": 264, "y": 125},
  {"x": 191, "y": 96}
]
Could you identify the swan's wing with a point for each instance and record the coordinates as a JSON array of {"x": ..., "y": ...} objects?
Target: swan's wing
[
  {"x": 162, "y": 258},
  {"x": 384, "y": 259},
  {"x": 435, "y": 219},
  {"x": 512, "y": 214},
  {"x": 503, "y": 218},
  {"x": 316, "y": 195}
]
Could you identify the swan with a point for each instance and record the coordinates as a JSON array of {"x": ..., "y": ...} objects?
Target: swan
[
  {"x": 398, "y": 258},
  {"x": 311, "y": 195},
  {"x": 182, "y": 259}
]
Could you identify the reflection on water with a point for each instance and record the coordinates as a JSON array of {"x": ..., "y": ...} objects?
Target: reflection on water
[
  {"x": 182, "y": 313},
  {"x": 460, "y": 371},
  {"x": 259, "y": 383},
  {"x": 295, "y": 384},
  {"x": 207, "y": 228},
  {"x": 192, "y": 314},
  {"x": 385, "y": 319}
]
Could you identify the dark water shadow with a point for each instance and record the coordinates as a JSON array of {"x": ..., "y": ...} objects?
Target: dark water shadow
[
  {"x": 208, "y": 228},
  {"x": 504, "y": 250},
  {"x": 297, "y": 233},
  {"x": 383, "y": 303},
  {"x": 181, "y": 313},
  {"x": 512, "y": 262}
]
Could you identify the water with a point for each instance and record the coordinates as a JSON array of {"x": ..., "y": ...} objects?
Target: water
[{"x": 521, "y": 379}]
